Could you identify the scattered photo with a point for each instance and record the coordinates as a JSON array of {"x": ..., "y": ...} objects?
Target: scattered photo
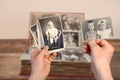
[
  {"x": 71, "y": 39},
  {"x": 71, "y": 22},
  {"x": 70, "y": 55},
  {"x": 34, "y": 33},
  {"x": 100, "y": 28},
  {"x": 72, "y": 30},
  {"x": 60, "y": 31},
  {"x": 51, "y": 29},
  {"x": 65, "y": 33}
]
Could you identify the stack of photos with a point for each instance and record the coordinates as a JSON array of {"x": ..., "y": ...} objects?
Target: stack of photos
[
  {"x": 48, "y": 32},
  {"x": 62, "y": 32},
  {"x": 65, "y": 33}
]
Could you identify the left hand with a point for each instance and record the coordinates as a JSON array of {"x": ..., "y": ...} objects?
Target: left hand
[{"x": 40, "y": 64}]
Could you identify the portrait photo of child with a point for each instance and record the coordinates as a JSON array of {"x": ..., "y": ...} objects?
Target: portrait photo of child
[
  {"x": 52, "y": 32},
  {"x": 99, "y": 28}
]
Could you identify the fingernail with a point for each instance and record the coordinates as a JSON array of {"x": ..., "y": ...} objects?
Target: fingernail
[
  {"x": 36, "y": 49},
  {"x": 46, "y": 46}
]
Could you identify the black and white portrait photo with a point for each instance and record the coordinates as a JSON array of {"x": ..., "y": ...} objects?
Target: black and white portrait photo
[
  {"x": 71, "y": 22},
  {"x": 52, "y": 32},
  {"x": 100, "y": 28},
  {"x": 71, "y": 39}
]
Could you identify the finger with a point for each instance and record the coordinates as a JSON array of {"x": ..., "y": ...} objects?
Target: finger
[
  {"x": 92, "y": 44},
  {"x": 85, "y": 46},
  {"x": 35, "y": 53},
  {"x": 99, "y": 42},
  {"x": 43, "y": 51},
  {"x": 85, "y": 43},
  {"x": 103, "y": 43},
  {"x": 86, "y": 51},
  {"x": 52, "y": 56}
]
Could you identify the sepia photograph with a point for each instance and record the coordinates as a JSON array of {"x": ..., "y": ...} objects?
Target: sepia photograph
[
  {"x": 52, "y": 32},
  {"x": 60, "y": 31},
  {"x": 71, "y": 22},
  {"x": 70, "y": 55},
  {"x": 71, "y": 39},
  {"x": 34, "y": 34},
  {"x": 100, "y": 28}
]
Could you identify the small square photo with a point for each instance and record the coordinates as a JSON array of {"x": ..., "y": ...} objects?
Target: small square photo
[{"x": 71, "y": 39}]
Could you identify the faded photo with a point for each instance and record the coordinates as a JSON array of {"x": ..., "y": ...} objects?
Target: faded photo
[
  {"x": 71, "y": 22},
  {"x": 100, "y": 28},
  {"x": 71, "y": 26},
  {"x": 52, "y": 32},
  {"x": 71, "y": 39},
  {"x": 70, "y": 55},
  {"x": 61, "y": 31},
  {"x": 34, "y": 33}
]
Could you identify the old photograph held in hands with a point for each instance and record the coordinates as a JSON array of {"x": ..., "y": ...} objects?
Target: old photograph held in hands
[
  {"x": 100, "y": 28},
  {"x": 65, "y": 33},
  {"x": 51, "y": 29},
  {"x": 34, "y": 32}
]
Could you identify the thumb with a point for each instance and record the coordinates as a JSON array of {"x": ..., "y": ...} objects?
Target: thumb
[
  {"x": 43, "y": 51},
  {"x": 92, "y": 44}
]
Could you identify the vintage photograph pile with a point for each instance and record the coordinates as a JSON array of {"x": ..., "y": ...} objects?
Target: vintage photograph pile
[{"x": 64, "y": 33}]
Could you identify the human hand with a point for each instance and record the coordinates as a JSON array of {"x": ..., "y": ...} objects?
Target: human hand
[
  {"x": 101, "y": 53},
  {"x": 40, "y": 64}
]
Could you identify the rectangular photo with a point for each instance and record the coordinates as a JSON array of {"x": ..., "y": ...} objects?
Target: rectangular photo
[
  {"x": 71, "y": 39},
  {"x": 71, "y": 21},
  {"x": 51, "y": 29},
  {"x": 100, "y": 28},
  {"x": 34, "y": 33},
  {"x": 70, "y": 55}
]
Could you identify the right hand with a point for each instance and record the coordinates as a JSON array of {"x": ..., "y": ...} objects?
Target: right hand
[{"x": 101, "y": 53}]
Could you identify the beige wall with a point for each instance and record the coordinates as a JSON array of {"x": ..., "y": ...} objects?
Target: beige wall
[{"x": 14, "y": 14}]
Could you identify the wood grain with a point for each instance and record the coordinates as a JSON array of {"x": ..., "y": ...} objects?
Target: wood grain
[
  {"x": 10, "y": 64},
  {"x": 13, "y": 45}
]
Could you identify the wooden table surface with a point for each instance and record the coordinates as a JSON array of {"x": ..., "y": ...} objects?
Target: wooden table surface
[
  {"x": 10, "y": 67},
  {"x": 11, "y": 51}
]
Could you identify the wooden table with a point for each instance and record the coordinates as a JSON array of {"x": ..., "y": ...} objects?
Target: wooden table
[
  {"x": 11, "y": 51},
  {"x": 10, "y": 68}
]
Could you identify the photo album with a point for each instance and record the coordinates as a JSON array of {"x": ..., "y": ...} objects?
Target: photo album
[{"x": 65, "y": 33}]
